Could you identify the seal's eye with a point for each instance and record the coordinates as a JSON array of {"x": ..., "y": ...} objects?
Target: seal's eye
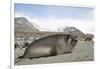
[{"x": 76, "y": 38}]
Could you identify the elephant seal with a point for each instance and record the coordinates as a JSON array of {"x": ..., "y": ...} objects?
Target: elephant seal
[{"x": 50, "y": 46}]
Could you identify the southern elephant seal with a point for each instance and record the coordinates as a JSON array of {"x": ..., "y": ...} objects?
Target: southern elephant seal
[{"x": 50, "y": 46}]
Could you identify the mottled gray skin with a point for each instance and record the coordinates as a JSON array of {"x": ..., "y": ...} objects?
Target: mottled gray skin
[{"x": 50, "y": 46}]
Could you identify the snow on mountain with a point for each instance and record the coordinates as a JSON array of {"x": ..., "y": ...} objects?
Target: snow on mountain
[
  {"x": 22, "y": 24},
  {"x": 72, "y": 30}
]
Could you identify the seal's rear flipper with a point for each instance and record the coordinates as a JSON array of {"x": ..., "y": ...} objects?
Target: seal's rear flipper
[
  {"x": 21, "y": 56},
  {"x": 19, "y": 59}
]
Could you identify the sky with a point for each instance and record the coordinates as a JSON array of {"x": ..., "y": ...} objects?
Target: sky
[{"x": 52, "y": 18}]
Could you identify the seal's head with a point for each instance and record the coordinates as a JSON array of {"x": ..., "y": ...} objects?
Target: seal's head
[{"x": 71, "y": 41}]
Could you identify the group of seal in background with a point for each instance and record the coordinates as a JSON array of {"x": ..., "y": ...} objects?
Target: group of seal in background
[{"x": 50, "y": 46}]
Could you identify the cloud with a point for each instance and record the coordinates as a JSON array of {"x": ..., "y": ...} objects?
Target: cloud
[{"x": 51, "y": 23}]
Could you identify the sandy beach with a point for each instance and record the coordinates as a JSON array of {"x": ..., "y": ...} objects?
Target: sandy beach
[{"x": 84, "y": 51}]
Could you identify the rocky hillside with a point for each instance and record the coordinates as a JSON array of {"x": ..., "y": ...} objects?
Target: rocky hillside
[
  {"x": 72, "y": 30},
  {"x": 22, "y": 24}
]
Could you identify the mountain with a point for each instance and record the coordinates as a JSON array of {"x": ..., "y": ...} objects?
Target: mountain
[
  {"x": 22, "y": 24},
  {"x": 72, "y": 30}
]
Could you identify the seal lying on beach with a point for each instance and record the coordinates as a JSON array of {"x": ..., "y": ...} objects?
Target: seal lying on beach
[{"x": 50, "y": 46}]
